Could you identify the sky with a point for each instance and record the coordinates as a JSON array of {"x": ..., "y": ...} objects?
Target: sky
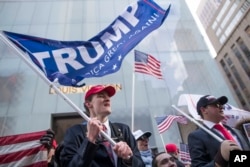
[{"x": 193, "y": 4}]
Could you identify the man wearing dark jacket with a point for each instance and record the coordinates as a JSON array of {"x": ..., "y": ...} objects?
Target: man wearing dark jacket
[
  {"x": 83, "y": 145},
  {"x": 205, "y": 150}
]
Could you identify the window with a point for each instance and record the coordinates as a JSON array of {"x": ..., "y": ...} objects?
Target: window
[
  {"x": 238, "y": 78},
  {"x": 244, "y": 48},
  {"x": 241, "y": 60},
  {"x": 228, "y": 60},
  {"x": 247, "y": 30}
]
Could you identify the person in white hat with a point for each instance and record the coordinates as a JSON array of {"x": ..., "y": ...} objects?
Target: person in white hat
[{"x": 142, "y": 139}]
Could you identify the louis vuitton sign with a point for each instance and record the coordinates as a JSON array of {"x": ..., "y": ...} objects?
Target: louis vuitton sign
[{"x": 83, "y": 89}]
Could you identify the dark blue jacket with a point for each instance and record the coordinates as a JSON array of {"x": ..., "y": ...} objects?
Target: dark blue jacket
[
  {"x": 203, "y": 147},
  {"x": 78, "y": 151}
]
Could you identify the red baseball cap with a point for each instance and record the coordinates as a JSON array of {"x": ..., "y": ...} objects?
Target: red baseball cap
[
  {"x": 171, "y": 148},
  {"x": 99, "y": 88}
]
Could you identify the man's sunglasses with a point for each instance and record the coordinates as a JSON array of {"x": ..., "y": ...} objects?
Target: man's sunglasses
[
  {"x": 143, "y": 138},
  {"x": 216, "y": 105}
]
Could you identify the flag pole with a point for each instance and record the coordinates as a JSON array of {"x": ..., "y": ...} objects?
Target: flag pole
[
  {"x": 51, "y": 85},
  {"x": 163, "y": 142},
  {"x": 133, "y": 100},
  {"x": 198, "y": 124}
]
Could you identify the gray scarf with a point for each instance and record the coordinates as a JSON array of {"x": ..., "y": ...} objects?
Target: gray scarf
[{"x": 147, "y": 157}]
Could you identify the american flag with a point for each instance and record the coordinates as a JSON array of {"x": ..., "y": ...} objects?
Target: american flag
[
  {"x": 184, "y": 153},
  {"x": 147, "y": 64},
  {"x": 164, "y": 122},
  {"x": 23, "y": 150}
]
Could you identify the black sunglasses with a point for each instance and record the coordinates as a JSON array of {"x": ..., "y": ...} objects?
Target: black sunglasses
[
  {"x": 143, "y": 138},
  {"x": 216, "y": 105}
]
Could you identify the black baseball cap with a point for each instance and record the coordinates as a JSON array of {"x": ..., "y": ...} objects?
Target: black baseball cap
[{"x": 208, "y": 99}]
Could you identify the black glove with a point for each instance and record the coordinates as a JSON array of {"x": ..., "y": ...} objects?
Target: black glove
[
  {"x": 222, "y": 156},
  {"x": 48, "y": 138},
  {"x": 58, "y": 152}
]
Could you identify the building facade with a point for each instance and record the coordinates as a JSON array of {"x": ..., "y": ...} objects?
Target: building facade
[
  {"x": 27, "y": 103},
  {"x": 228, "y": 29}
]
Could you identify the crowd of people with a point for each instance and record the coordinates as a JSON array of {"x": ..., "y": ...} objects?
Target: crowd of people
[{"x": 84, "y": 144}]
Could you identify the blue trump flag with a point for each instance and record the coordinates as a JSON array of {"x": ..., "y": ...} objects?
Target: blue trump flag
[{"x": 69, "y": 62}]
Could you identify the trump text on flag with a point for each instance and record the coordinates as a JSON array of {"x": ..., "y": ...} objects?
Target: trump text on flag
[{"x": 69, "y": 62}]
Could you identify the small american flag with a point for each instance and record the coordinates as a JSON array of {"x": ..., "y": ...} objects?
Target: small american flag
[
  {"x": 184, "y": 153},
  {"x": 164, "y": 122},
  {"x": 147, "y": 64},
  {"x": 23, "y": 150}
]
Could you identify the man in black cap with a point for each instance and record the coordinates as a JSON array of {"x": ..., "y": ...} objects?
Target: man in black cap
[{"x": 205, "y": 150}]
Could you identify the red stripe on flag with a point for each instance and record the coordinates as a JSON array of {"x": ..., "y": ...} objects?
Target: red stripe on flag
[
  {"x": 144, "y": 69},
  {"x": 23, "y": 150},
  {"x": 147, "y": 64},
  {"x": 184, "y": 153},
  {"x": 163, "y": 123},
  {"x": 166, "y": 124},
  {"x": 15, "y": 156},
  {"x": 14, "y": 139}
]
